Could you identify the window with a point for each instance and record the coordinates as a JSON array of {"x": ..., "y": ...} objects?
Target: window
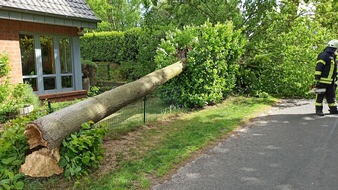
[
  {"x": 27, "y": 49},
  {"x": 65, "y": 63},
  {"x": 47, "y": 62}
]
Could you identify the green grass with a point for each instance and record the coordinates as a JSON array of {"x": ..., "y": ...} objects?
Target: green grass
[
  {"x": 170, "y": 138},
  {"x": 176, "y": 141},
  {"x": 133, "y": 116}
]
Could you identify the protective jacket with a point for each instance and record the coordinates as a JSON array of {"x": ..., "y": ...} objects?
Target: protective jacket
[{"x": 326, "y": 68}]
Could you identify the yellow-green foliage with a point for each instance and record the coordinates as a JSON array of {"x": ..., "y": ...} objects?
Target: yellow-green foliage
[
  {"x": 212, "y": 52},
  {"x": 4, "y": 64}
]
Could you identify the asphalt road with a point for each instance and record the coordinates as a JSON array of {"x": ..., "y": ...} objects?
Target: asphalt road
[{"x": 287, "y": 148}]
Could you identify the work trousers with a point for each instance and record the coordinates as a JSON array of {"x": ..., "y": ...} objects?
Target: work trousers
[{"x": 329, "y": 95}]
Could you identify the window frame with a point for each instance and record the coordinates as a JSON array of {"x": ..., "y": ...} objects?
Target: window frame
[{"x": 58, "y": 75}]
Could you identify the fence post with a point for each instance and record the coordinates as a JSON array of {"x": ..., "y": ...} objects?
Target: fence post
[
  {"x": 51, "y": 110},
  {"x": 144, "y": 109}
]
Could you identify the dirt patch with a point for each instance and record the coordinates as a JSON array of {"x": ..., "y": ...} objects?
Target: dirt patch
[{"x": 132, "y": 145}]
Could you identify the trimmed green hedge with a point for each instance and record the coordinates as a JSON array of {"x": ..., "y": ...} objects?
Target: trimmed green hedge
[
  {"x": 133, "y": 49},
  {"x": 103, "y": 46}
]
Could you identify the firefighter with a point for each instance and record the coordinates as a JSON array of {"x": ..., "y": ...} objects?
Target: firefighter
[{"x": 325, "y": 77}]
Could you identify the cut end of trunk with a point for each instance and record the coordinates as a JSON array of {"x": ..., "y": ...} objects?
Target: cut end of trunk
[
  {"x": 42, "y": 163},
  {"x": 34, "y": 136}
]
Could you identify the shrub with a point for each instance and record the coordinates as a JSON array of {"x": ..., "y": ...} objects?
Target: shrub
[
  {"x": 12, "y": 151},
  {"x": 82, "y": 150},
  {"x": 17, "y": 96},
  {"x": 103, "y": 46},
  {"x": 212, "y": 53},
  {"x": 4, "y": 64},
  {"x": 130, "y": 47},
  {"x": 133, "y": 50},
  {"x": 89, "y": 68}
]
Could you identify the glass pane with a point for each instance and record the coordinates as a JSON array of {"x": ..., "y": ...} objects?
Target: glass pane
[
  {"x": 47, "y": 53},
  {"x": 67, "y": 82},
  {"x": 65, "y": 63},
  {"x": 27, "y": 54},
  {"x": 32, "y": 82},
  {"x": 49, "y": 83}
]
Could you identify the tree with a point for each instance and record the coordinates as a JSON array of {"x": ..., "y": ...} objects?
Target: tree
[
  {"x": 118, "y": 15},
  {"x": 49, "y": 131},
  {"x": 180, "y": 13},
  {"x": 280, "y": 56},
  {"x": 325, "y": 13}
]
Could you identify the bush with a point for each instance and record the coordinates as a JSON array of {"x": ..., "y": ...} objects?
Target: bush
[
  {"x": 4, "y": 64},
  {"x": 103, "y": 46},
  {"x": 212, "y": 53},
  {"x": 89, "y": 69},
  {"x": 130, "y": 47},
  {"x": 12, "y": 151},
  {"x": 82, "y": 150},
  {"x": 13, "y": 96},
  {"x": 17, "y": 96},
  {"x": 133, "y": 50}
]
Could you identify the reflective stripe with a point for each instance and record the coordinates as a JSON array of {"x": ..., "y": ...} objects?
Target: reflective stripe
[
  {"x": 318, "y": 73},
  {"x": 325, "y": 82},
  {"x": 324, "y": 78},
  {"x": 321, "y": 61},
  {"x": 332, "y": 104},
  {"x": 319, "y": 104},
  {"x": 331, "y": 69}
]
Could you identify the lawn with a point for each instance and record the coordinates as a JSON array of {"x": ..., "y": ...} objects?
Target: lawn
[{"x": 139, "y": 155}]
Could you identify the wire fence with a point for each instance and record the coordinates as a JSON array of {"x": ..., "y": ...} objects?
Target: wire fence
[
  {"x": 133, "y": 113},
  {"x": 141, "y": 112},
  {"x": 103, "y": 71},
  {"x": 148, "y": 108}
]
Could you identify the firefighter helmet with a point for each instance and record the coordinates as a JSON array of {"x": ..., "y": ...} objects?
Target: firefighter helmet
[{"x": 333, "y": 43}]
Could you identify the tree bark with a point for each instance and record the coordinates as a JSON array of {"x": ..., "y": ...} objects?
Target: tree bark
[{"x": 49, "y": 131}]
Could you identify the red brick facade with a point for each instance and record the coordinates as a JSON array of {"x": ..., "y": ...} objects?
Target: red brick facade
[{"x": 9, "y": 40}]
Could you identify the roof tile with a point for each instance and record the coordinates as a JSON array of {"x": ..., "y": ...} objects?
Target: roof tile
[{"x": 67, "y": 8}]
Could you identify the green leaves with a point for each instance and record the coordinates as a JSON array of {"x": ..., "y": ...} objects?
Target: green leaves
[
  {"x": 281, "y": 62},
  {"x": 82, "y": 150},
  {"x": 4, "y": 64},
  {"x": 8, "y": 161},
  {"x": 103, "y": 46},
  {"x": 12, "y": 152},
  {"x": 15, "y": 96},
  {"x": 10, "y": 180},
  {"x": 212, "y": 52},
  {"x": 119, "y": 15}
]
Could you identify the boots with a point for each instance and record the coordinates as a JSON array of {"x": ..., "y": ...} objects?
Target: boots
[
  {"x": 333, "y": 110},
  {"x": 319, "y": 111}
]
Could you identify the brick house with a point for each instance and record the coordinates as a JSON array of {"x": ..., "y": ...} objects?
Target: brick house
[{"x": 41, "y": 38}]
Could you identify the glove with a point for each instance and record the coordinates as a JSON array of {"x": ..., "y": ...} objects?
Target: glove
[
  {"x": 317, "y": 84},
  {"x": 314, "y": 84}
]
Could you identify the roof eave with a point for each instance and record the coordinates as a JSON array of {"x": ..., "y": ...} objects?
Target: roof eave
[{"x": 46, "y": 18}]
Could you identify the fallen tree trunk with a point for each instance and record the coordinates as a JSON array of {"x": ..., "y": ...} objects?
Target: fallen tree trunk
[{"x": 49, "y": 131}]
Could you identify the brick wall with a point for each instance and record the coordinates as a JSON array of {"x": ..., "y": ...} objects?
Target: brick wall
[{"x": 9, "y": 40}]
